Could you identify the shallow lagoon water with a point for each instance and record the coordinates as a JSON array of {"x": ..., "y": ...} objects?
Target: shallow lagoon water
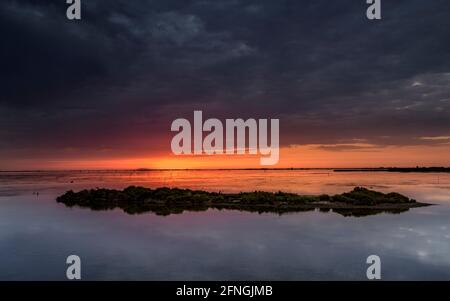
[{"x": 37, "y": 234}]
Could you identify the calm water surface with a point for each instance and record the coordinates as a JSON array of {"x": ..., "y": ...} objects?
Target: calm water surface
[{"x": 37, "y": 234}]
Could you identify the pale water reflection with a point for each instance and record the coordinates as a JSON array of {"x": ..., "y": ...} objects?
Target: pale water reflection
[{"x": 37, "y": 234}]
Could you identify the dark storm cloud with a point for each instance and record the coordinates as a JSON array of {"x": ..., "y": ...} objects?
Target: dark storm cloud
[{"x": 129, "y": 67}]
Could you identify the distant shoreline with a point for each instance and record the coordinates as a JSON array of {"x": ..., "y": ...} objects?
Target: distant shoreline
[
  {"x": 396, "y": 169},
  {"x": 334, "y": 169}
]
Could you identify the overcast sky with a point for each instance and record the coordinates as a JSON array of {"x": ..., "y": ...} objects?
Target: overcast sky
[{"x": 110, "y": 84}]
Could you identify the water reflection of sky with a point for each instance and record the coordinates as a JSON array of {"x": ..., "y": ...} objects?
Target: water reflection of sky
[{"x": 37, "y": 234}]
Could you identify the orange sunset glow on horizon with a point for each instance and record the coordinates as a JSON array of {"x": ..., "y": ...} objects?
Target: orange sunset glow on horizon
[{"x": 307, "y": 156}]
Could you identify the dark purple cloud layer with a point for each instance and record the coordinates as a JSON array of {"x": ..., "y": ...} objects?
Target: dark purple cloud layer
[{"x": 114, "y": 81}]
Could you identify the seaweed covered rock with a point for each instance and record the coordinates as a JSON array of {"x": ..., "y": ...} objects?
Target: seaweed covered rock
[
  {"x": 364, "y": 196},
  {"x": 358, "y": 202}
]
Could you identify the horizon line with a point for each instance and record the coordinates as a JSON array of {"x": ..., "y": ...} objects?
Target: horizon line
[{"x": 223, "y": 169}]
